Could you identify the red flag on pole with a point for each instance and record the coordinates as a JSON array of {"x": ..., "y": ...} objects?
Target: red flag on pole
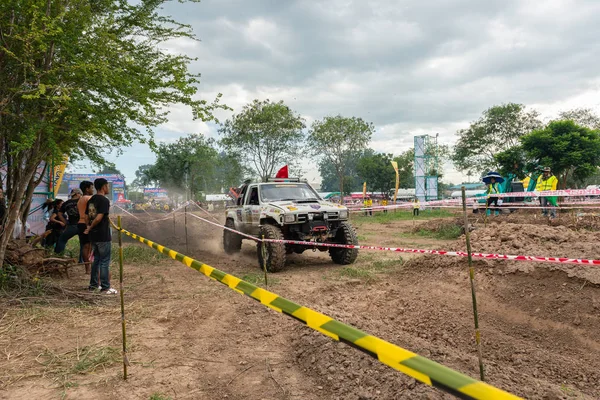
[{"x": 282, "y": 173}]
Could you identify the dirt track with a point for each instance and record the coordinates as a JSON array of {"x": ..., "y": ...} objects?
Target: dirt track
[{"x": 192, "y": 338}]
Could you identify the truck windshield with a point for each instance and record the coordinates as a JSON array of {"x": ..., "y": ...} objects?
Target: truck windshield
[{"x": 291, "y": 192}]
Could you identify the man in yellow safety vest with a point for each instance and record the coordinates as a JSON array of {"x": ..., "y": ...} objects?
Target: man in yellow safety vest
[
  {"x": 547, "y": 181},
  {"x": 384, "y": 203},
  {"x": 368, "y": 206}
]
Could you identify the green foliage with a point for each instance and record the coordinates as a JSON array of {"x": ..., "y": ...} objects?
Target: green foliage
[
  {"x": 513, "y": 161},
  {"x": 569, "y": 149},
  {"x": 335, "y": 139},
  {"x": 391, "y": 216},
  {"x": 377, "y": 171},
  {"x": 185, "y": 165},
  {"x": 585, "y": 117},
  {"x": 369, "y": 272},
  {"x": 406, "y": 163},
  {"x": 266, "y": 135},
  {"x": 352, "y": 181},
  {"x": 144, "y": 177},
  {"x": 498, "y": 129},
  {"x": 446, "y": 231},
  {"x": 159, "y": 396},
  {"x": 81, "y": 78}
]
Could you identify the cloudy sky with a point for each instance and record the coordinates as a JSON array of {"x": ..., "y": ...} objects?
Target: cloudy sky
[{"x": 410, "y": 67}]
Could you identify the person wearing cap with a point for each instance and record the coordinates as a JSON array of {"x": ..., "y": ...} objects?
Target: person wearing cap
[
  {"x": 547, "y": 181},
  {"x": 70, "y": 210}
]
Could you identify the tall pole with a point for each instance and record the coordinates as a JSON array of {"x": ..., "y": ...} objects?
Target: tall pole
[
  {"x": 124, "y": 333},
  {"x": 472, "y": 279}
]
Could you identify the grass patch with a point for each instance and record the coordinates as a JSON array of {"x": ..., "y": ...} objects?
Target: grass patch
[
  {"x": 369, "y": 272},
  {"x": 399, "y": 215},
  {"x": 80, "y": 361},
  {"x": 132, "y": 253},
  {"x": 258, "y": 279},
  {"x": 444, "y": 231},
  {"x": 159, "y": 396}
]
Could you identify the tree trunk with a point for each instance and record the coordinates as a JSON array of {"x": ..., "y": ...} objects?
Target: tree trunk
[{"x": 15, "y": 202}]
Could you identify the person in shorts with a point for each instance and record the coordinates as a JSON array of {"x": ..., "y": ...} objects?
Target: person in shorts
[{"x": 87, "y": 188}]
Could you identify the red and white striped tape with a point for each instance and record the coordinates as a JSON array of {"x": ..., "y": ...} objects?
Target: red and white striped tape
[{"x": 488, "y": 256}]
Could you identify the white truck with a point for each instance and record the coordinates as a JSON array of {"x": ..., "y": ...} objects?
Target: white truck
[{"x": 288, "y": 210}]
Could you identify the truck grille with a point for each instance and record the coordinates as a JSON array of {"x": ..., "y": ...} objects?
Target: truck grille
[{"x": 319, "y": 216}]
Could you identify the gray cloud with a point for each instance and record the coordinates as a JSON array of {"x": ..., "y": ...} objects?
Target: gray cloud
[{"x": 407, "y": 66}]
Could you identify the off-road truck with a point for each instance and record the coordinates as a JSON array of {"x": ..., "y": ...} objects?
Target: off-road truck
[{"x": 289, "y": 210}]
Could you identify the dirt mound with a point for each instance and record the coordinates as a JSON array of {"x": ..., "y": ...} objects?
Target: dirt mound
[
  {"x": 539, "y": 330},
  {"x": 535, "y": 240}
]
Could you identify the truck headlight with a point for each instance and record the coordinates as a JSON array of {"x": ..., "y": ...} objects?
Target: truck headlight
[
  {"x": 289, "y": 218},
  {"x": 344, "y": 214}
]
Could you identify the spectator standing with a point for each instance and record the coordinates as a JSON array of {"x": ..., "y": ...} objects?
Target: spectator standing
[
  {"x": 87, "y": 188},
  {"x": 69, "y": 215},
  {"x": 416, "y": 207},
  {"x": 384, "y": 203},
  {"x": 98, "y": 208},
  {"x": 547, "y": 181}
]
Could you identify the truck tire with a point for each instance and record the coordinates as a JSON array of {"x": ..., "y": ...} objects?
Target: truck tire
[
  {"x": 232, "y": 242},
  {"x": 275, "y": 252},
  {"x": 344, "y": 235}
]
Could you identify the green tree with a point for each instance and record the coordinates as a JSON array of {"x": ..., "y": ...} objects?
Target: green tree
[
  {"x": 229, "y": 172},
  {"x": 581, "y": 116},
  {"x": 79, "y": 77},
  {"x": 352, "y": 182},
  {"x": 406, "y": 162},
  {"x": 334, "y": 139},
  {"x": 266, "y": 135},
  {"x": 144, "y": 177},
  {"x": 498, "y": 129},
  {"x": 572, "y": 151},
  {"x": 187, "y": 165},
  {"x": 377, "y": 171}
]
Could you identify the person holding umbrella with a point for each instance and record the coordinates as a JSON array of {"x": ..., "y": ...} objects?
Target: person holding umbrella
[{"x": 492, "y": 179}]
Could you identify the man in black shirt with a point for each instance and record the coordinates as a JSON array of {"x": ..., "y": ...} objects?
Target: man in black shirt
[
  {"x": 69, "y": 209},
  {"x": 99, "y": 230}
]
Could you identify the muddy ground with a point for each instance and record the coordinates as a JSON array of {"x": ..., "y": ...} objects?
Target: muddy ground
[{"x": 192, "y": 338}]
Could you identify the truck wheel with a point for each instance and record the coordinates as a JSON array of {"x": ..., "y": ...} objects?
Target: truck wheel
[
  {"x": 344, "y": 235},
  {"x": 232, "y": 242},
  {"x": 275, "y": 252}
]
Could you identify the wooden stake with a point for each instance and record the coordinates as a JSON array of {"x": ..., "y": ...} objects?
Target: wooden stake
[
  {"x": 187, "y": 250},
  {"x": 472, "y": 279},
  {"x": 123, "y": 329},
  {"x": 264, "y": 257}
]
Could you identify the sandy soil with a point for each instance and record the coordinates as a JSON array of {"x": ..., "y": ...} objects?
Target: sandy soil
[{"x": 192, "y": 338}]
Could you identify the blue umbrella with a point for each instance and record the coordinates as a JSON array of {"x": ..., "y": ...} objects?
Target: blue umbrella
[{"x": 492, "y": 174}]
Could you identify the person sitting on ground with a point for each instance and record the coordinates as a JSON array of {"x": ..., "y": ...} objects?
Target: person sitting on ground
[
  {"x": 547, "y": 181},
  {"x": 54, "y": 227},
  {"x": 69, "y": 209},
  {"x": 85, "y": 246}
]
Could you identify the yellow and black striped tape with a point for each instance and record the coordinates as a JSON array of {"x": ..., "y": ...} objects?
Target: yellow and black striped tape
[{"x": 407, "y": 362}]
